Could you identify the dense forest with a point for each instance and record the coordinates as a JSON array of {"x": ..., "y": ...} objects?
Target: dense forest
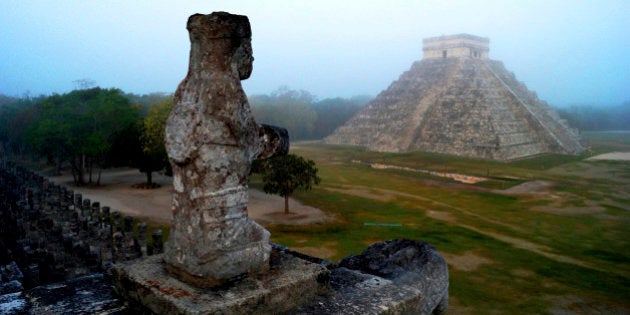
[{"x": 91, "y": 129}]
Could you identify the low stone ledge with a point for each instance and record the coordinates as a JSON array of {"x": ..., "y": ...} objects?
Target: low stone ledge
[{"x": 290, "y": 282}]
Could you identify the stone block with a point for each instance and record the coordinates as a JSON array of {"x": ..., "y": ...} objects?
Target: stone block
[
  {"x": 400, "y": 276},
  {"x": 355, "y": 292},
  {"x": 290, "y": 282}
]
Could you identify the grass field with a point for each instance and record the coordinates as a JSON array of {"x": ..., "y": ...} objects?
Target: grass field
[{"x": 550, "y": 234}]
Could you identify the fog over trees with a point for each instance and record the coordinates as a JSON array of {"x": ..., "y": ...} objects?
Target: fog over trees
[
  {"x": 598, "y": 118},
  {"x": 305, "y": 117}
]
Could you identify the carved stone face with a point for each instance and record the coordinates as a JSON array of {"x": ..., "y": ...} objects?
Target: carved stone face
[{"x": 244, "y": 59}]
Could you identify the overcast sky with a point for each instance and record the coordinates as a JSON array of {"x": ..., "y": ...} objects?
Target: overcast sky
[{"x": 573, "y": 51}]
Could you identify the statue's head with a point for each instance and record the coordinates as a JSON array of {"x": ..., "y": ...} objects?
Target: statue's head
[{"x": 229, "y": 34}]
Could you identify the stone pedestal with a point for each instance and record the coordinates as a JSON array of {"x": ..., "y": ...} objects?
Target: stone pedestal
[{"x": 290, "y": 282}]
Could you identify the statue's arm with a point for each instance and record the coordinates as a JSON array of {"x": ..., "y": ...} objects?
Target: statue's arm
[{"x": 274, "y": 141}]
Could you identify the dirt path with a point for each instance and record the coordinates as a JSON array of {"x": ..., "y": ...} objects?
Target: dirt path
[
  {"x": 531, "y": 187},
  {"x": 117, "y": 192}
]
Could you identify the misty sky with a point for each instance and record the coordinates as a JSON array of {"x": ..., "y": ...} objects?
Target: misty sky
[{"x": 569, "y": 52}]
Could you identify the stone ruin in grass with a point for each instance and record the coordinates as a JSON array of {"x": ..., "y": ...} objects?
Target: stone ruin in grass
[{"x": 217, "y": 260}]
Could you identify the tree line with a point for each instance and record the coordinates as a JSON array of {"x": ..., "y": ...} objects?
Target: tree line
[
  {"x": 86, "y": 129},
  {"x": 90, "y": 129},
  {"x": 597, "y": 118},
  {"x": 305, "y": 117}
]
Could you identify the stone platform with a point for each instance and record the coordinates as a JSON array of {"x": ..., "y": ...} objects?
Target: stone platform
[{"x": 290, "y": 282}]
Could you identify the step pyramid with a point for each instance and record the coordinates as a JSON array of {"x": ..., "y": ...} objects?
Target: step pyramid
[{"x": 457, "y": 101}]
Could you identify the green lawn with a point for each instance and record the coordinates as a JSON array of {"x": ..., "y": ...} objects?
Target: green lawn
[{"x": 564, "y": 247}]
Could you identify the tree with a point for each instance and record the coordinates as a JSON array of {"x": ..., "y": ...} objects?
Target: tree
[
  {"x": 49, "y": 133},
  {"x": 80, "y": 127},
  {"x": 152, "y": 139},
  {"x": 284, "y": 174}
]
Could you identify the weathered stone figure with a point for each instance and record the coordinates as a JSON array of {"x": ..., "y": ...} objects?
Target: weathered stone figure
[{"x": 211, "y": 141}]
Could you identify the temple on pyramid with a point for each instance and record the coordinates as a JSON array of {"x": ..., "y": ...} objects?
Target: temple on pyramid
[{"x": 458, "y": 101}]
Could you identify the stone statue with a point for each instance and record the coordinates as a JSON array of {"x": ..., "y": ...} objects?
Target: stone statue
[{"x": 211, "y": 140}]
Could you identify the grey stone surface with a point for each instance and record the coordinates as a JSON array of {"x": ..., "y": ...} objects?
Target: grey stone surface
[
  {"x": 355, "y": 292},
  {"x": 462, "y": 106},
  {"x": 10, "y": 287},
  {"x": 407, "y": 262},
  {"x": 393, "y": 277},
  {"x": 290, "y": 282},
  {"x": 90, "y": 294},
  {"x": 13, "y": 303},
  {"x": 211, "y": 140}
]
